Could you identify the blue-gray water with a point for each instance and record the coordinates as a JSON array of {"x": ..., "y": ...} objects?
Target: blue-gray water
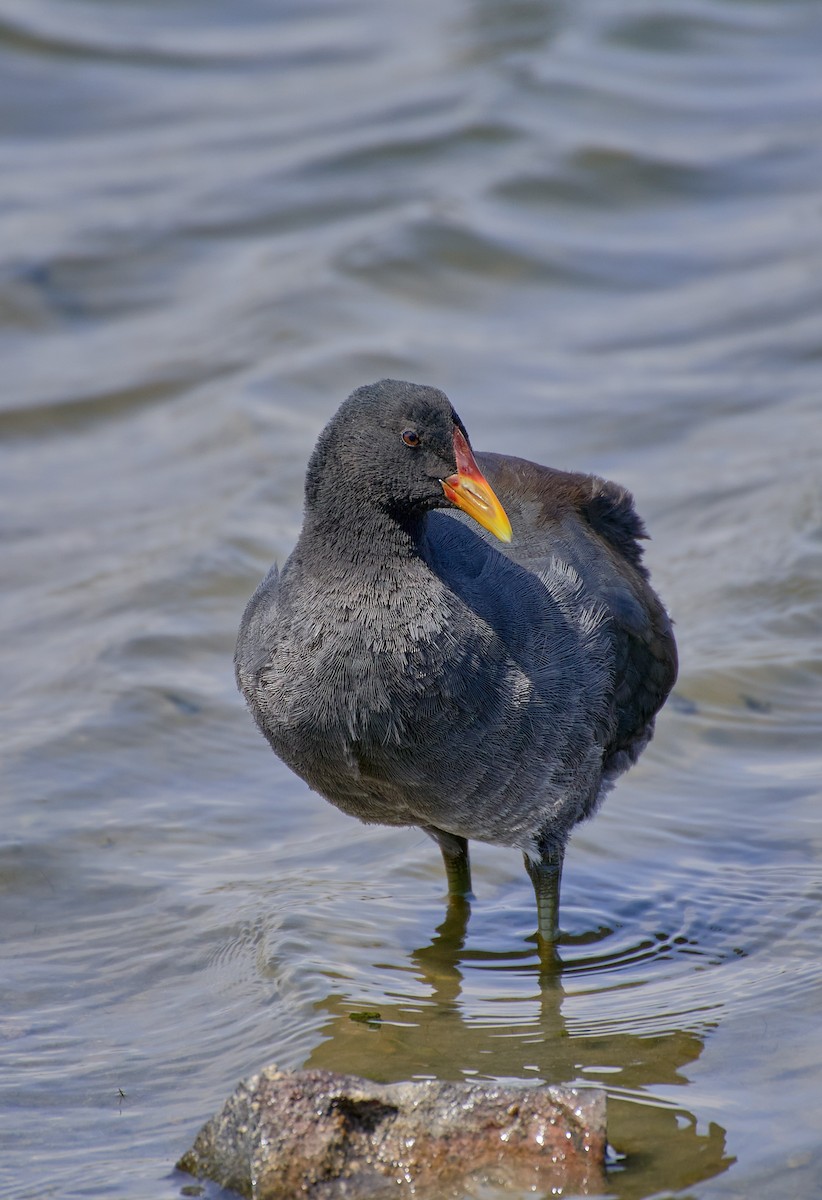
[{"x": 598, "y": 226}]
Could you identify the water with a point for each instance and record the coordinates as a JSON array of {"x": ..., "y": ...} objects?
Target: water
[{"x": 598, "y": 227}]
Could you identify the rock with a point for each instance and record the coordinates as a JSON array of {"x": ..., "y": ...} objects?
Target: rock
[{"x": 284, "y": 1134}]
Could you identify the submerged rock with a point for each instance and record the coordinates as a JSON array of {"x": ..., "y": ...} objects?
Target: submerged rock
[{"x": 284, "y": 1134}]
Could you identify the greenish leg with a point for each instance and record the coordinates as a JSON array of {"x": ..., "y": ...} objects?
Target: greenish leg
[
  {"x": 455, "y": 856},
  {"x": 546, "y": 874}
]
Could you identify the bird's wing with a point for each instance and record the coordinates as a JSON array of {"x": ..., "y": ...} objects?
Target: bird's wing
[{"x": 592, "y": 525}]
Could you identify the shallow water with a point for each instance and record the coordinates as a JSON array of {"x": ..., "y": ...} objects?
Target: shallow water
[{"x": 598, "y": 227}]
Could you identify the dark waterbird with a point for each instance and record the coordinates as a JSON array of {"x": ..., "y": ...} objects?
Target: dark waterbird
[{"x": 416, "y": 672}]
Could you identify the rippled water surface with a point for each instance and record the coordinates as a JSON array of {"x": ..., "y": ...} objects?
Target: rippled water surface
[{"x": 598, "y": 226}]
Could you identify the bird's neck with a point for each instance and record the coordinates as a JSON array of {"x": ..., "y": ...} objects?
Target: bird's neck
[{"x": 364, "y": 541}]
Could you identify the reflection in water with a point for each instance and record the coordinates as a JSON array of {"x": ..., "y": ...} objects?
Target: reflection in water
[{"x": 445, "y": 1036}]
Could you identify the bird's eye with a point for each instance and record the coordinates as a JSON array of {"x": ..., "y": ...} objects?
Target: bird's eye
[{"x": 411, "y": 437}]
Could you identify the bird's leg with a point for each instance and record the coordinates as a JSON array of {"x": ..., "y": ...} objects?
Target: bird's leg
[
  {"x": 546, "y": 874},
  {"x": 455, "y": 856}
]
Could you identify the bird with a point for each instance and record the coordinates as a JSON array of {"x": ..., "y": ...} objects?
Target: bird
[{"x": 464, "y": 643}]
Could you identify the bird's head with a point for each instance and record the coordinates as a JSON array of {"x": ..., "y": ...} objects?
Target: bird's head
[{"x": 403, "y": 446}]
